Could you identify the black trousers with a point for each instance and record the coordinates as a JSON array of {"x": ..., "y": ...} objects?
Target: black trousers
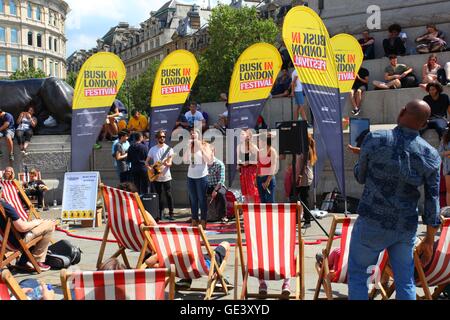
[
  {"x": 303, "y": 195},
  {"x": 166, "y": 187},
  {"x": 37, "y": 193},
  {"x": 140, "y": 179},
  {"x": 23, "y": 136}
]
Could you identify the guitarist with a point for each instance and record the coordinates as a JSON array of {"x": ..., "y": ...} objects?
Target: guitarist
[{"x": 160, "y": 156}]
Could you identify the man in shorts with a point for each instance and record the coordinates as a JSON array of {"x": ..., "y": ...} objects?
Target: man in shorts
[{"x": 7, "y": 132}]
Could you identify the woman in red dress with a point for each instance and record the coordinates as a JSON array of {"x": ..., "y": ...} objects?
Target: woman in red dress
[{"x": 247, "y": 154}]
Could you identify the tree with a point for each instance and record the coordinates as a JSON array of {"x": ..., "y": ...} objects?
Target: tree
[
  {"x": 231, "y": 31},
  {"x": 136, "y": 93},
  {"x": 72, "y": 78},
  {"x": 27, "y": 73}
]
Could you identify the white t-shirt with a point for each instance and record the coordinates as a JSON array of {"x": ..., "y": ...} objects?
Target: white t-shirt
[
  {"x": 199, "y": 169},
  {"x": 192, "y": 118},
  {"x": 298, "y": 84},
  {"x": 156, "y": 154}
]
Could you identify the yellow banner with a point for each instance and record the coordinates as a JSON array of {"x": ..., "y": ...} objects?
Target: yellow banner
[
  {"x": 99, "y": 81},
  {"x": 255, "y": 73},
  {"x": 174, "y": 79},
  {"x": 349, "y": 58},
  {"x": 308, "y": 43}
]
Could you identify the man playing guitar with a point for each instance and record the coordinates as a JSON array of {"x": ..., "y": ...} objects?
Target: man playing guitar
[{"x": 159, "y": 171}]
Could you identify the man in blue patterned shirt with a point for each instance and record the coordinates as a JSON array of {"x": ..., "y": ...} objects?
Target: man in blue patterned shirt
[{"x": 393, "y": 164}]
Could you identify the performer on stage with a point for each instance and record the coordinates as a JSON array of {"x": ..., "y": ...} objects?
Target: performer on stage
[
  {"x": 247, "y": 154},
  {"x": 137, "y": 154},
  {"x": 267, "y": 169},
  {"x": 159, "y": 160}
]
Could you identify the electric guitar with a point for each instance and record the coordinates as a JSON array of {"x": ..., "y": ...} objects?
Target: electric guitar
[{"x": 155, "y": 170}]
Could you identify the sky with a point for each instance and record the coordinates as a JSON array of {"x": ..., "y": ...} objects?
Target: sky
[{"x": 89, "y": 20}]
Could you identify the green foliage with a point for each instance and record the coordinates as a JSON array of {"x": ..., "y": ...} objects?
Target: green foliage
[
  {"x": 27, "y": 73},
  {"x": 231, "y": 31},
  {"x": 136, "y": 93},
  {"x": 72, "y": 79}
]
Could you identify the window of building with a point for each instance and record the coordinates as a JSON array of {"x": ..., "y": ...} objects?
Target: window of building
[
  {"x": 40, "y": 64},
  {"x": 12, "y": 8},
  {"x": 2, "y": 6},
  {"x": 50, "y": 68},
  {"x": 30, "y": 38},
  {"x": 56, "y": 73},
  {"x": 38, "y": 14},
  {"x": 30, "y": 62},
  {"x": 30, "y": 11},
  {"x": 55, "y": 42},
  {"x": 14, "y": 63},
  {"x": 2, "y": 62},
  {"x": 39, "y": 40},
  {"x": 14, "y": 36},
  {"x": 49, "y": 43},
  {"x": 2, "y": 34}
]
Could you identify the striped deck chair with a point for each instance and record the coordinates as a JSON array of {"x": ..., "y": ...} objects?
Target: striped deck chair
[
  {"x": 272, "y": 241},
  {"x": 9, "y": 251},
  {"x": 147, "y": 284},
  {"x": 25, "y": 176},
  {"x": 126, "y": 214},
  {"x": 341, "y": 275},
  {"x": 9, "y": 285},
  {"x": 182, "y": 247},
  {"x": 13, "y": 193},
  {"x": 438, "y": 273}
]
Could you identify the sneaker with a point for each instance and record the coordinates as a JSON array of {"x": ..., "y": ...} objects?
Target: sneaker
[
  {"x": 43, "y": 266},
  {"x": 357, "y": 111},
  {"x": 224, "y": 220},
  {"x": 306, "y": 225},
  {"x": 262, "y": 289},
  {"x": 97, "y": 146},
  {"x": 354, "y": 111},
  {"x": 183, "y": 284},
  {"x": 11, "y": 157},
  {"x": 286, "y": 290}
]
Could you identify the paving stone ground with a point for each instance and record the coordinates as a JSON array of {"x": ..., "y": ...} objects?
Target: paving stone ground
[{"x": 91, "y": 249}]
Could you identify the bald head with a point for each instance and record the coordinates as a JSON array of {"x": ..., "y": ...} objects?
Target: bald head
[{"x": 415, "y": 114}]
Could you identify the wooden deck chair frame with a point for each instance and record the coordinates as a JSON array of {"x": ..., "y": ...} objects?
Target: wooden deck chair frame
[
  {"x": 13, "y": 285},
  {"x": 300, "y": 262},
  {"x": 23, "y": 178},
  {"x": 7, "y": 257},
  {"x": 324, "y": 271},
  {"x": 421, "y": 277},
  {"x": 65, "y": 276},
  {"x": 121, "y": 251},
  {"x": 215, "y": 271},
  {"x": 32, "y": 212}
]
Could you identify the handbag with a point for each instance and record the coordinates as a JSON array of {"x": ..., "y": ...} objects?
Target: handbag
[{"x": 66, "y": 249}]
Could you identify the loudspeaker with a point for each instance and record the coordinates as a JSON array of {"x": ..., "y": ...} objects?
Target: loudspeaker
[
  {"x": 151, "y": 204},
  {"x": 293, "y": 137}
]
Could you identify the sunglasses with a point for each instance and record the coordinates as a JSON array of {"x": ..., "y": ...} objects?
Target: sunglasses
[{"x": 162, "y": 137}]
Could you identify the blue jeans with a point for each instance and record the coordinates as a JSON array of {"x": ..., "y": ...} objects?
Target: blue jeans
[
  {"x": 368, "y": 241},
  {"x": 198, "y": 197},
  {"x": 265, "y": 196}
]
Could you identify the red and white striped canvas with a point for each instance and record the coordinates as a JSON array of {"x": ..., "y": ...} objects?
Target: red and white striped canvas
[
  {"x": 148, "y": 284},
  {"x": 439, "y": 271},
  {"x": 124, "y": 218},
  {"x": 25, "y": 177},
  {"x": 341, "y": 275},
  {"x": 9, "y": 246},
  {"x": 11, "y": 195},
  {"x": 181, "y": 247},
  {"x": 270, "y": 231},
  {"x": 4, "y": 292}
]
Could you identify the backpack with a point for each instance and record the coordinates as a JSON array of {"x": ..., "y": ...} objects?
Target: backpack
[{"x": 63, "y": 254}]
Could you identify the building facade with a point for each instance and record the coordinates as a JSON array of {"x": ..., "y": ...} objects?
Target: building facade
[
  {"x": 32, "y": 33},
  {"x": 173, "y": 26}
]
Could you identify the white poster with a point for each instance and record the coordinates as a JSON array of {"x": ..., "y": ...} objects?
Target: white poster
[{"x": 80, "y": 195}]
